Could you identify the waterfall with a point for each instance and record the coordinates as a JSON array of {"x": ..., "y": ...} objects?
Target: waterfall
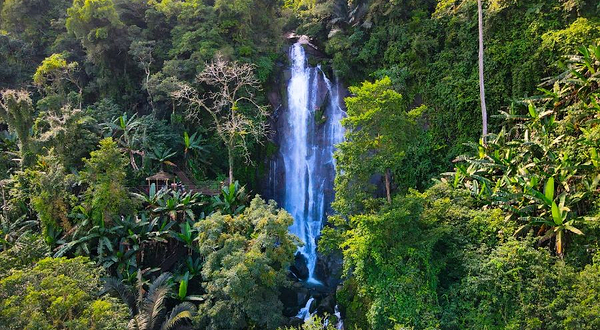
[
  {"x": 304, "y": 313},
  {"x": 308, "y": 133}
]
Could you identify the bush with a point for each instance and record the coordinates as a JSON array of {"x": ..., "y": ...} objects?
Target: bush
[
  {"x": 403, "y": 258},
  {"x": 27, "y": 250},
  {"x": 519, "y": 286},
  {"x": 105, "y": 173},
  {"x": 58, "y": 294},
  {"x": 247, "y": 257}
]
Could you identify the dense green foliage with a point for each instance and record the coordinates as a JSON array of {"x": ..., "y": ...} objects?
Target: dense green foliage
[
  {"x": 405, "y": 255},
  {"x": 542, "y": 167},
  {"x": 121, "y": 120},
  {"x": 58, "y": 294},
  {"x": 473, "y": 250},
  {"x": 429, "y": 50},
  {"x": 246, "y": 261}
]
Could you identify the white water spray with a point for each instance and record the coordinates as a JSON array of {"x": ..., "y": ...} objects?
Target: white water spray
[
  {"x": 307, "y": 150},
  {"x": 304, "y": 314}
]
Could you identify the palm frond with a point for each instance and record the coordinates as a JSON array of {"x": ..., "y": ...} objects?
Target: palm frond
[
  {"x": 154, "y": 304},
  {"x": 180, "y": 313},
  {"x": 124, "y": 292}
]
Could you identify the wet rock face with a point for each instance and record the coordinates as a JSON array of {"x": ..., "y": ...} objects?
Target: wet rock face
[
  {"x": 326, "y": 306},
  {"x": 329, "y": 270},
  {"x": 294, "y": 298},
  {"x": 307, "y": 43},
  {"x": 289, "y": 298},
  {"x": 299, "y": 269},
  {"x": 296, "y": 322}
]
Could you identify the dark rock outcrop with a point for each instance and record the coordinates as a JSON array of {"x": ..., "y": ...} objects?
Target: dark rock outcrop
[{"x": 299, "y": 268}]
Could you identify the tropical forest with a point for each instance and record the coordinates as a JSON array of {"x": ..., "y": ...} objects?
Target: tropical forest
[{"x": 299, "y": 164}]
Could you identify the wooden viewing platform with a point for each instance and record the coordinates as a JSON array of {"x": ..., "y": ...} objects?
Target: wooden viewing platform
[
  {"x": 163, "y": 179},
  {"x": 190, "y": 186}
]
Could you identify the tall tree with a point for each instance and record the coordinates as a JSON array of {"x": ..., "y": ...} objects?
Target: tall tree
[
  {"x": 16, "y": 109},
  {"x": 230, "y": 102},
  {"x": 99, "y": 28},
  {"x": 142, "y": 53},
  {"x": 54, "y": 76},
  {"x": 105, "y": 174},
  {"x": 379, "y": 133},
  {"x": 481, "y": 81}
]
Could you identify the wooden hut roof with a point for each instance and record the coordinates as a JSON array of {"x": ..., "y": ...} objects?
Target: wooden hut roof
[{"x": 160, "y": 176}]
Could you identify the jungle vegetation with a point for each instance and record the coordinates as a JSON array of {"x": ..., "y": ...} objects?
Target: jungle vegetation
[{"x": 438, "y": 227}]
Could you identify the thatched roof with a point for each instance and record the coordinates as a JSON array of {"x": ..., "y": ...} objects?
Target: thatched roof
[{"x": 160, "y": 176}]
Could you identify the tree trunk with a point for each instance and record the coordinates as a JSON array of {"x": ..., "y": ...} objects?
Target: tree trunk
[
  {"x": 230, "y": 154},
  {"x": 481, "y": 81},
  {"x": 388, "y": 185}
]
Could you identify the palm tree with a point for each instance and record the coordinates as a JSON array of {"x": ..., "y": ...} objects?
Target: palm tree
[
  {"x": 147, "y": 308},
  {"x": 481, "y": 82}
]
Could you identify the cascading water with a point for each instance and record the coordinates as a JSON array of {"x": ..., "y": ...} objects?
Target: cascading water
[
  {"x": 304, "y": 313},
  {"x": 308, "y": 132}
]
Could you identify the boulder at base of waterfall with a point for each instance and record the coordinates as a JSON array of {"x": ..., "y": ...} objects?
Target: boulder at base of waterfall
[
  {"x": 302, "y": 297},
  {"x": 327, "y": 305},
  {"x": 299, "y": 268},
  {"x": 334, "y": 265},
  {"x": 294, "y": 298},
  {"x": 313, "y": 306},
  {"x": 296, "y": 322},
  {"x": 289, "y": 298},
  {"x": 329, "y": 270},
  {"x": 290, "y": 311}
]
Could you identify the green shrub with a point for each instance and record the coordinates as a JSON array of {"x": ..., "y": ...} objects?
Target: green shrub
[
  {"x": 23, "y": 254},
  {"x": 105, "y": 173},
  {"x": 247, "y": 257},
  {"x": 403, "y": 258},
  {"x": 58, "y": 294}
]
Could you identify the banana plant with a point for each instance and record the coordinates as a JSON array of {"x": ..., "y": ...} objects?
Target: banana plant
[
  {"x": 124, "y": 259},
  {"x": 10, "y": 231},
  {"x": 163, "y": 155},
  {"x": 186, "y": 235},
  {"x": 559, "y": 225},
  {"x": 168, "y": 206},
  {"x": 182, "y": 293},
  {"x": 232, "y": 200},
  {"x": 194, "y": 155},
  {"x": 193, "y": 266},
  {"x": 192, "y": 143},
  {"x": 552, "y": 218},
  {"x": 154, "y": 195},
  {"x": 98, "y": 242},
  {"x": 543, "y": 167},
  {"x": 178, "y": 206}
]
